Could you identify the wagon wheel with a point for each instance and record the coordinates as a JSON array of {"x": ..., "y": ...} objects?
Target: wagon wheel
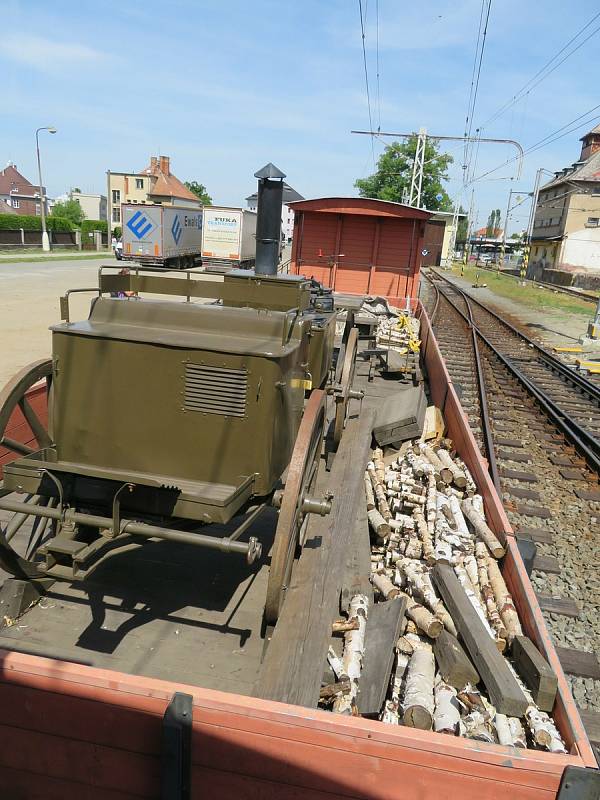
[
  {"x": 301, "y": 479},
  {"x": 12, "y": 400},
  {"x": 343, "y": 393}
]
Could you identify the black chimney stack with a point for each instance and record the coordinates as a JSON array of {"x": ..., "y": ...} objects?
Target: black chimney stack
[{"x": 268, "y": 222}]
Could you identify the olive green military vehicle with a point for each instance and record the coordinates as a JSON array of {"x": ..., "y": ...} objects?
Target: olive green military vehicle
[{"x": 181, "y": 401}]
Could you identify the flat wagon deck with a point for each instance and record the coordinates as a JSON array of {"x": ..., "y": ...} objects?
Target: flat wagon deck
[{"x": 87, "y": 674}]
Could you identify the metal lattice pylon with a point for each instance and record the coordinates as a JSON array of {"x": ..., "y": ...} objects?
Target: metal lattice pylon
[{"x": 417, "y": 174}]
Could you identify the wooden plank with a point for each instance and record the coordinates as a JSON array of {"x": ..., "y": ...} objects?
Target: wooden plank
[
  {"x": 504, "y": 691},
  {"x": 293, "y": 665},
  {"x": 453, "y": 663},
  {"x": 591, "y": 723},
  {"x": 587, "y": 494},
  {"x": 561, "y": 461},
  {"x": 558, "y": 605},
  {"x": 384, "y": 625},
  {"x": 547, "y": 564},
  {"x": 535, "y": 671},
  {"x": 508, "y": 442},
  {"x": 518, "y": 475},
  {"x": 541, "y": 535},
  {"x": 526, "y": 494},
  {"x": 507, "y": 455},
  {"x": 572, "y": 474},
  {"x": 358, "y": 562},
  {"x": 579, "y": 663},
  {"x": 527, "y": 510}
]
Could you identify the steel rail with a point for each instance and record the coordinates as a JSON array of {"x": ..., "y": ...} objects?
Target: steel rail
[
  {"x": 486, "y": 427},
  {"x": 585, "y": 443},
  {"x": 553, "y": 362}
]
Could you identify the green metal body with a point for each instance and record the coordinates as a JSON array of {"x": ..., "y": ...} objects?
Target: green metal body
[{"x": 196, "y": 404}]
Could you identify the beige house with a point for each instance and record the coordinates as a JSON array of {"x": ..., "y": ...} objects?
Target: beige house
[
  {"x": 156, "y": 185},
  {"x": 566, "y": 228},
  {"x": 92, "y": 205}
]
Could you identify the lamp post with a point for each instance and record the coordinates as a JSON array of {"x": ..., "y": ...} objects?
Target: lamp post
[{"x": 45, "y": 239}]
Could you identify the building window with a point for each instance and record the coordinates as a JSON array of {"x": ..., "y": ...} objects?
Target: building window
[
  {"x": 596, "y": 190},
  {"x": 38, "y": 210},
  {"x": 15, "y": 203},
  {"x": 592, "y": 222},
  {"x": 139, "y": 183},
  {"x": 116, "y": 195},
  {"x": 116, "y": 215}
]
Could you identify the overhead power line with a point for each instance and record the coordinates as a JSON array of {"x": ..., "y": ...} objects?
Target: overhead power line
[
  {"x": 475, "y": 86},
  {"x": 549, "y": 139},
  {"x": 542, "y": 74},
  {"x": 377, "y": 64},
  {"x": 362, "y": 29}
]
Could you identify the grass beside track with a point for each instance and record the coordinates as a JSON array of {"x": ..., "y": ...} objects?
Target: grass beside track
[
  {"x": 34, "y": 256},
  {"x": 532, "y": 295}
]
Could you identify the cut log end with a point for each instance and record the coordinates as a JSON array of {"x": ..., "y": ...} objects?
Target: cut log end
[{"x": 417, "y": 717}]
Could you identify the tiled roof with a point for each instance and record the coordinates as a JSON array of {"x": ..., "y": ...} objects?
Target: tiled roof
[
  {"x": 11, "y": 178},
  {"x": 580, "y": 171},
  {"x": 170, "y": 186},
  {"x": 289, "y": 195}
]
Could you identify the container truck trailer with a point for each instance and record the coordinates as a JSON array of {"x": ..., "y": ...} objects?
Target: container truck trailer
[
  {"x": 162, "y": 236},
  {"x": 228, "y": 237}
]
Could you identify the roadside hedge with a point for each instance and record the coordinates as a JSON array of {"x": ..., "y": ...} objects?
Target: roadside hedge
[
  {"x": 12, "y": 222},
  {"x": 89, "y": 225}
]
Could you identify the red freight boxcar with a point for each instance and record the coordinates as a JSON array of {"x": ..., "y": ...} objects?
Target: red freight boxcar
[{"x": 359, "y": 245}]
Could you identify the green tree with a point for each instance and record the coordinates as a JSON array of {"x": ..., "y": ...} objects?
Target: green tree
[
  {"x": 462, "y": 229},
  {"x": 392, "y": 179},
  {"x": 199, "y": 189},
  {"x": 69, "y": 209},
  {"x": 493, "y": 224}
]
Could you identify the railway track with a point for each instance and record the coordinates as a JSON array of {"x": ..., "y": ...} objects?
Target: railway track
[{"x": 539, "y": 431}]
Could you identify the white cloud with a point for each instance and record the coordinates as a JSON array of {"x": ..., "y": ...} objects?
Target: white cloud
[{"x": 47, "y": 54}]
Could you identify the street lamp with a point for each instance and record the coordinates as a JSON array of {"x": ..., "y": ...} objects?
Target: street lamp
[{"x": 45, "y": 240}]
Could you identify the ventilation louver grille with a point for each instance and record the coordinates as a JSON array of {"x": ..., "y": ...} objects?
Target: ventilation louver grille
[{"x": 216, "y": 390}]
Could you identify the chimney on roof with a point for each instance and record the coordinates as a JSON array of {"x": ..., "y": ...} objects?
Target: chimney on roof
[
  {"x": 268, "y": 220},
  {"x": 153, "y": 163},
  {"x": 590, "y": 144},
  {"x": 164, "y": 165}
]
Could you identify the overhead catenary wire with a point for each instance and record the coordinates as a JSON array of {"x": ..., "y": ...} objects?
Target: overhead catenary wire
[
  {"x": 377, "y": 64},
  {"x": 549, "y": 139},
  {"x": 364, "y": 51},
  {"x": 479, "y": 52},
  {"x": 542, "y": 74}
]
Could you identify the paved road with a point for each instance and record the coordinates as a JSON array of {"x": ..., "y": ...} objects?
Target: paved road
[{"x": 29, "y": 299}]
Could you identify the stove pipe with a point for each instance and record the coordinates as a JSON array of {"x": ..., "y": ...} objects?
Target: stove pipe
[{"x": 268, "y": 222}]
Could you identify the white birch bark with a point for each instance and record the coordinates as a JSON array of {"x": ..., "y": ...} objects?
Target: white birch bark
[
  {"x": 446, "y": 718},
  {"x": 487, "y": 593},
  {"x": 503, "y": 731},
  {"x": 384, "y": 585},
  {"x": 517, "y": 732},
  {"x": 458, "y": 477},
  {"x": 504, "y": 602},
  {"x": 481, "y": 529},
  {"x": 418, "y": 703},
  {"x": 380, "y": 527},
  {"x": 369, "y": 492},
  {"x": 544, "y": 731},
  {"x": 352, "y": 657}
]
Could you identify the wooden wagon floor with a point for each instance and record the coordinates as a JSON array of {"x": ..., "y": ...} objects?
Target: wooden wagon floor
[{"x": 166, "y": 610}]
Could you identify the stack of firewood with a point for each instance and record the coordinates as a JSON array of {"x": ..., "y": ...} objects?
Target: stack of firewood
[{"x": 429, "y": 532}]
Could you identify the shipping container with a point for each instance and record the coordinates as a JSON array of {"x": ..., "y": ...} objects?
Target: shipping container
[
  {"x": 228, "y": 237},
  {"x": 163, "y": 236}
]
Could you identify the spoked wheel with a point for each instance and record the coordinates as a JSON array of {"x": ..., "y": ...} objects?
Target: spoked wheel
[
  {"x": 342, "y": 397},
  {"x": 293, "y": 520},
  {"x": 24, "y": 430}
]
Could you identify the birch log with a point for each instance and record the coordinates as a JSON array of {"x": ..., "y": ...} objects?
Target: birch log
[
  {"x": 517, "y": 732},
  {"x": 425, "y": 537},
  {"x": 431, "y": 456},
  {"x": 380, "y": 527},
  {"x": 504, "y": 602},
  {"x": 369, "y": 492},
  {"x": 481, "y": 529},
  {"x": 423, "y": 619},
  {"x": 458, "y": 476},
  {"x": 422, "y": 587},
  {"x": 477, "y": 726},
  {"x": 335, "y": 662},
  {"x": 384, "y": 585},
  {"x": 446, "y": 718},
  {"x": 487, "y": 593},
  {"x": 352, "y": 657},
  {"x": 461, "y": 526},
  {"x": 417, "y": 703},
  {"x": 503, "y": 731},
  {"x": 543, "y": 730}
]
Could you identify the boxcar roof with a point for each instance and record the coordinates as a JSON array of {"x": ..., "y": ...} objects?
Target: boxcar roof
[{"x": 361, "y": 205}]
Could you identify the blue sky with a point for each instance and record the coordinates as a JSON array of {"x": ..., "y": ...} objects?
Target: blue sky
[{"x": 223, "y": 87}]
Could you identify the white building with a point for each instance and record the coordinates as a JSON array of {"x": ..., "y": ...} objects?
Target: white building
[
  {"x": 287, "y": 215},
  {"x": 94, "y": 206}
]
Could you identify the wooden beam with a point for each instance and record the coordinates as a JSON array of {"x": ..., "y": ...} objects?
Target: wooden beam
[
  {"x": 384, "y": 625},
  {"x": 453, "y": 663},
  {"x": 358, "y": 561},
  {"x": 579, "y": 663},
  {"x": 293, "y": 666},
  {"x": 504, "y": 691},
  {"x": 591, "y": 723},
  {"x": 535, "y": 671},
  {"x": 558, "y": 605}
]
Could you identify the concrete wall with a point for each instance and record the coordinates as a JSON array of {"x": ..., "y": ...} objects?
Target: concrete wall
[
  {"x": 581, "y": 248},
  {"x": 93, "y": 205}
]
